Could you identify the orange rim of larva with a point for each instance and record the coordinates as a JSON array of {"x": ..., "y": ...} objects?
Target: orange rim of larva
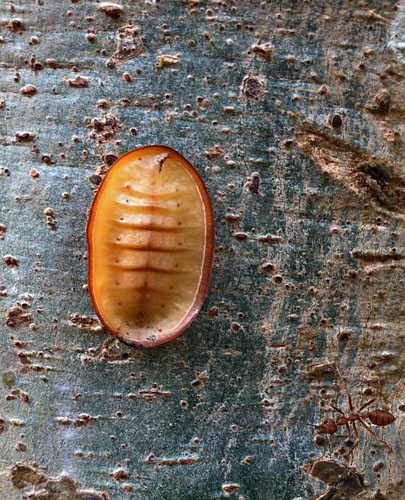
[{"x": 206, "y": 265}]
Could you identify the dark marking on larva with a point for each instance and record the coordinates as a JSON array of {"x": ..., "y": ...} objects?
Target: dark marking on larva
[{"x": 161, "y": 160}]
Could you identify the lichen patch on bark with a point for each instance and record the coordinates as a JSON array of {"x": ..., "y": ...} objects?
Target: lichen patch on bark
[
  {"x": 37, "y": 486},
  {"x": 374, "y": 179}
]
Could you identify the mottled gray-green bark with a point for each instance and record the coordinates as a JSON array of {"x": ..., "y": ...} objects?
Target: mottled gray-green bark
[{"x": 292, "y": 112}]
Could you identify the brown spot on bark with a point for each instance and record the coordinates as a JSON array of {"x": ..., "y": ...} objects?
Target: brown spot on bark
[
  {"x": 240, "y": 236},
  {"x": 20, "y": 447},
  {"x": 120, "y": 475},
  {"x": 232, "y": 217},
  {"x": 378, "y": 466},
  {"x": 85, "y": 323},
  {"x": 253, "y": 87},
  {"x": 267, "y": 267},
  {"x": 215, "y": 152},
  {"x": 344, "y": 336},
  {"x": 235, "y": 327},
  {"x": 91, "y": 37},
  {"x": 268, "y": 238},
  {"x": 3, "y": 229},
  {"x": 380, "y": 103},
  {"x": 28, "y": 90},
  {"x": 153, "y": 393},
  {"x": 370, "y": 258},
  {"x": 50, "y": 218},
  {"x": 62, "y": 487},
  {"x": 252, "y": 184},
  {"x": 344, "y": 483},
  {"x": 104, "y": 128},
  {"x": 129, "y": 43},
  {"x": 24, "y": 359},
  {"x": 320, "y": 440},
  {"x": 16, "y": 317},
  {"x": 78, "y": 82},
  {"x": 95, "y": 179},
  {"x": 80, "y": 421},
  {"x": 15, "y": 25},
  {"x": 320, "y": 370},
  {"x": 265, "y": 50},
  {"x": 113, "y": 10},
  {"x": 165, "y": 60},
  {"x": 109, "y": 159},
  {"x": 25, "y": 137},
  {"x": 24, "y": 475},
  {"x": 47, "y": 159},
  {"x": 335, "y": 121},
  {"x": 172, "y": 461},
  {"x": 34, "y": 64},
  {"x": 52, "y": 63},
  {"x": 213, "y": 312},
  {"x": 11, "y": 261},
  {"x": 230, "y": 488},
  {"x": 376, "y": 180},
  {"x": 200, "y": 380}
]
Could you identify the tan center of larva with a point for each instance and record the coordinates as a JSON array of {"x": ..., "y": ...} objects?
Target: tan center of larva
[{"x": 150, "y": 242}]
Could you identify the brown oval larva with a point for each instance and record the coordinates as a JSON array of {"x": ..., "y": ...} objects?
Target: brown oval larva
[{"x": 150, "y": 239}]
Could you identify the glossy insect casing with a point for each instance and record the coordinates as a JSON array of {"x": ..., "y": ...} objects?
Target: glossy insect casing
[{"x": 150, "y": 237}]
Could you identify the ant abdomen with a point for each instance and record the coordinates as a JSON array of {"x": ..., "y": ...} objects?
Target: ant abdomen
[{"x": 381, "y": 418}]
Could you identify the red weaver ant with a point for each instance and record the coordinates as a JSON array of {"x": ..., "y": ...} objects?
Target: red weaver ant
[{"x": 376, "y": 417}]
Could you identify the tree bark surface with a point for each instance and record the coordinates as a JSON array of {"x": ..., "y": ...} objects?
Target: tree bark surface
[{"x": 292, "y": 112}]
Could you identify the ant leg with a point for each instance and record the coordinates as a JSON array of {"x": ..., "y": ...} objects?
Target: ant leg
[
  {"x": 349, "y": 434},
  {"x": 374, "y": 434},
  {"x": 355, "y": 444},
  {"x": 365, "y": 405},
  {"x": 350, "y": 402},
  {"x": 355, "y": 430},
  {"x": 336, "y": 409}
]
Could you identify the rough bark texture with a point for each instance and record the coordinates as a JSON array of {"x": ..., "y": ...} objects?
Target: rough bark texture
[{"x": 292, "y": 111}]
